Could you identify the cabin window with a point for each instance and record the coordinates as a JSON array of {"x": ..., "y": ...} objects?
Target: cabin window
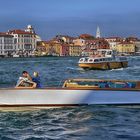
[
  {"x": 86, "y": 59},
  {"x": 96, "y": 60},
  {"x": 109, "y": 53},
  {"x": 109, "y": 59},
  {"x": 90, "y": 60}
]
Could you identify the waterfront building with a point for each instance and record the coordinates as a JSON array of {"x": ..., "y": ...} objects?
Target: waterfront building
[
  {"x": 99, "y": 43},
  {"x": 131, "y": 39},
  {"x": 86, "y": 37},
  {"x": 137, "y": 47},
  {"x": 93, "y": 45},
  {"x": 87, "y": 51},
  {"x": 58, "y": 49},
  {"x": 7, "y": 47},
  {"x": 24, "y": 40},
  {"x": 113, "y": 42},
  {"x": 41, "y": 48},
  {"x": 52, "y": 48},
  {"x": 75, "y": 50},
  {"x": 79, "y": 42},
  {"x": 126, "y": 48},
  {"x": 64, "y": 39},
  {"x": 64, "y": 49},
  {"x": 55, "y": 47}
]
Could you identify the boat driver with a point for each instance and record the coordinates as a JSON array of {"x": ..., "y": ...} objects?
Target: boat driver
[
  {"x": 25, "y": 74},
  {"x": 25, "y": 81}
]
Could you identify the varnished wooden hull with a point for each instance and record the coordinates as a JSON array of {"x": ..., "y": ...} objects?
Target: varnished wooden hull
[{"x": 104, "y": 65}]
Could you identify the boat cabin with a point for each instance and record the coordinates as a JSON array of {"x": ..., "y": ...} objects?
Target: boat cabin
[
  {"x": 96, "y": 60},
  {"x": 103, "y": 55}
]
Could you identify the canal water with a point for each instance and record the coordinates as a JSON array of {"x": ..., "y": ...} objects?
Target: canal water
[{"x": 75, "y": 123}]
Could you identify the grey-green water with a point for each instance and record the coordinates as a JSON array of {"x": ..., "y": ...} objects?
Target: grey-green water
[{"x": 76, "y": 123}]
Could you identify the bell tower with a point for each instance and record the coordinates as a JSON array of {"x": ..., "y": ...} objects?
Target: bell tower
[{"x": 98, "y": 33}]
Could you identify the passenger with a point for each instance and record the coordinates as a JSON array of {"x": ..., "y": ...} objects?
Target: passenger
[
  {"x": 25, "y": 81},
  {"x": 25, "y": 74},
  {"x": 36, "y": 79}
]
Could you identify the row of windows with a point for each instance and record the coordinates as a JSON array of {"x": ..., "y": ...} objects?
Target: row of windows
[
  {"x": 126, "y": 50},
  {"x": 6, "y": 40},
  {"x": 75, "y": 51},
  {"x": 24, "y": 36},
  {"x": 8, "y": 47},
  {"x": 24, "y": 40},
  {"x": 10, "y": 41},
  {"x": 28, "y": 47},
  {"x": 7, "y": 44},
  {"x": 127, "y": 45}
]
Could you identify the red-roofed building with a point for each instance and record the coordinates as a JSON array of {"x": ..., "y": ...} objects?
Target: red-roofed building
[
  {"x": 25, "y": 40},
  {"x": 86, "y": 36},
  {"x": 131, "y": 39},
  {"x": 64, "y": 39},
  {"x": 113, "y": 42},
  {"x": 52, "y": 48},
  {"x": 93, "y": 45},
  {"x": 79, "y": 42},
  {"x": 99, "y": 43}
]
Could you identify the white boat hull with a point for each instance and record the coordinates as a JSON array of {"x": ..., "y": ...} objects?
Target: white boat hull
[{"x": 66, "y": 97}]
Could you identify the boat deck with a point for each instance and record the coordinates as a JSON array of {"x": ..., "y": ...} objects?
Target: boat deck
[{"x": 102, "y": 84}]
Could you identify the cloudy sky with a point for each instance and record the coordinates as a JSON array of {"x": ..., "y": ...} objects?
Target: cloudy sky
[{"x": 72, "y": 17}]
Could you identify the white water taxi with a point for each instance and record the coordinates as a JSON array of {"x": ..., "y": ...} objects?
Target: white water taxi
[
  {"x": 105, "y": 60},
  {"x": 74, "y": 92}
]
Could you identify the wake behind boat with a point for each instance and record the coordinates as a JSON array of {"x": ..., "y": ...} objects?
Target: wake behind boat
[{"x": 74, "y": 92}]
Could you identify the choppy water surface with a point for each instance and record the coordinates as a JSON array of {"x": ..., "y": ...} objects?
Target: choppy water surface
[{"x": 76, "y": 123}]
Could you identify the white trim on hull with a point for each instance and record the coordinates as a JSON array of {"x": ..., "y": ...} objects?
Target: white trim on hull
[{"x": 66, "y": 97}]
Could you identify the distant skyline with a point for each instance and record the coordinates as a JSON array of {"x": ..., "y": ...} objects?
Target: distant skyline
[{"x": 72, "y": 17}]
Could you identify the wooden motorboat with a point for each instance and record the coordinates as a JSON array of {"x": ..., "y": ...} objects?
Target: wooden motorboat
[
  {"x": 105, "y": 61},
  {"x": 74, "y": 92}
]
